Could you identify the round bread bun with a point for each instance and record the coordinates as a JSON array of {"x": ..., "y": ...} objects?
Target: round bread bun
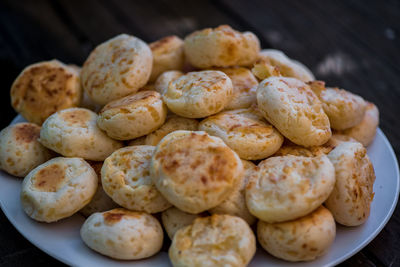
[
  {"x": 304, "y": 239},
  {"x": 122, "y": 234},
  {"x": 351, "y": 198},
  {"x": 73, "y": 132},
  {"x": 174, "y": 219},
  {"x": 167, "y": 55},
  {"x": 244, "y": 87},
  {"x": 100, "y": 201},
  {"x": 217, "y": 240},
  {"x": 287, "y": 67},
  {"x": 126, "y": 179},
  {"x": 116, "y": 68},
  {"x": 244, "y": 131},
  {"x": 286, "y": 188},
  {"x": 235, "y": 204},
  {"x": 221, "y": 47},
  {"x": 162, "y": 82},
  {"x": 365, "y": 131},
  {"x": 344, "y": 109},
  {"x": 199, "y": 94},
  {"x": 133, "y": 116},
  {"x": 173, "y": 123},
  {"x": 293, "y": 108},
  {"x": 20, "y": 150},
  {"x": 57, "y": 189},
  {"x": 194, "y": 171},
  {"x": 44, "y": 88}
]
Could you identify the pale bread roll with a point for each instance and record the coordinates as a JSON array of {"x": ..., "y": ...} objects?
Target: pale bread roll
[
  {"x": 44, "y": 88},
  {"x": 174, "y": 219},
  {"x": 122, "y": 234},
  {"x": 116, "y": 68},
  {"x": 217, "y": 240},
  {"x": 167, "y": 55},
  {"x": 126, "y": 179},
  {"x": 244, "y": 87},
  {"x": 235, "y": 204},
  {"x": 350, "y": 201},
  {"x": 244, "y": 131},
  {"x": 286, "y": 188},
  {"x": 221, "y": 47},
  {"x": 194, "y": 171},
  {"x": 365, "y": 131},
  {"x": 20, "y": 150},
  {"x": 73, "y": 132},
  {"x": 293, "y": 108},
  {"x": 133, "y": 116},
  {"x": 344, "y": 109},
  {"x": 173, "y": 123},
  {"x": 57, "y": 189},
  {"x": 304, "y": 239},
  {"x": 199, "y": 94},
  {"x": 100, "y": 201},
  {"x": 287, "y": 67},
  {"x": 162, "y": 82}
]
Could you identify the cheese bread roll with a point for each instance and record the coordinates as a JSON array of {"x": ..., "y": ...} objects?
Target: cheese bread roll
[
  {"x": 116, "y": 68},
  {"x": 57, "y": 189},
  {"x": 73, "y": 132},
  {"x": 294, "y": 109},
  {"x": 20, "y": 150},
  {"x": 286, "y": 188},
  {"x": 217, "y": 240},
  {"x": 194, "y": 171},
  {"x": 44, "y": 88}
]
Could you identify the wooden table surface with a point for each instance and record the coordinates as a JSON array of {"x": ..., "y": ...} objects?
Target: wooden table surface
[{"x": 350, "y": 44}]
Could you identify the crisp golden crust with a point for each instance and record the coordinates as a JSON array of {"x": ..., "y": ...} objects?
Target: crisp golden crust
[
  {"x": 344, "y": 109},
  {"x": 365, "y": 131},
  {"x": 244, "y": 87},
  {"x": 126, "y": 179},
  {"x": 122, "y": 234},
  {"x": 287, "y": 67},
  {"x": 174, "y": 219},
  {"x": 292, "y": 107},
  {"x": 73, "y": 132},
  {"x": 172, "y": 123},
  {"x": 167, "y": 55},
  {"x": 244, "y": 131},
  {"x": 221, "y": 47},
  {"x": 20, "y": 150},
  {"x": 133, "y": 116},
  {"x": 116, "y": 68},
  {"x": 217, "y": 240},
  {"x": 303, "y": 239},
  {"x": 44, "y": 88},
  {"x": 199, "y": 94},
  {"x": 162, "y": 82},
  {"x": 235, "y": 204},
  {"x": 286, "y": 188},
  {"x": 57, "y": 189},
  {"x": 194, "y": 171},
  {"x": 350, "y": 201}
]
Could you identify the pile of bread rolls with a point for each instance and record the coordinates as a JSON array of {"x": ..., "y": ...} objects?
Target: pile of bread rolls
[{"x": 206, "y": 136}]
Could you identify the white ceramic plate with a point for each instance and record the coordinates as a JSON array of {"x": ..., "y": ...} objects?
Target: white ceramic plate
[{"x": 62, "y": 241}]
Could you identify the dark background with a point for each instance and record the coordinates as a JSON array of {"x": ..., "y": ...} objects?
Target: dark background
[{"x": 350, "y": 44}]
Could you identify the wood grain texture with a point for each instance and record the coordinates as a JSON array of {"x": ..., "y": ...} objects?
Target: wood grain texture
[{"x": 350, "y": 44}]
